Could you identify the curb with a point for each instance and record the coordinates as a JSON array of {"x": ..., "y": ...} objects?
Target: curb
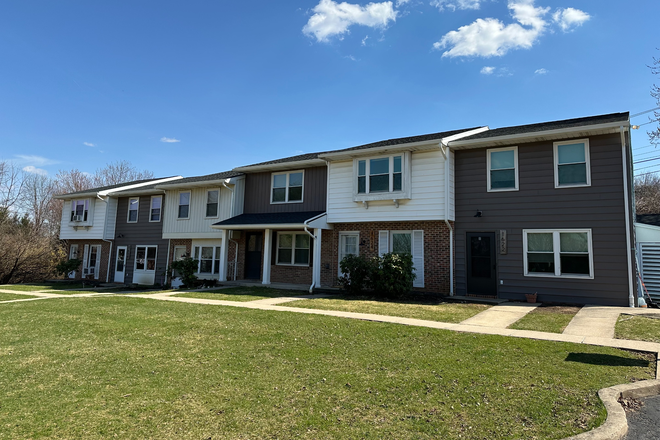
[{"x": 616, "y": 425}]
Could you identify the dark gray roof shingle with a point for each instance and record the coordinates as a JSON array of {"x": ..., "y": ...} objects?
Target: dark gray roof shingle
[
  {"x": 206, "y": 178},
  {"x": 275, "y": 218},
  {"x": 648, "y": 219},
  {"x": 546, "y": 126}
]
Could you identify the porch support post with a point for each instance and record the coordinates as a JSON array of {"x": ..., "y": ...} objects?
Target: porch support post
[
  {"x": 265, "y": 278},
  {"x": 316, "y": 270},
  {"x": 224, "y": 254}
]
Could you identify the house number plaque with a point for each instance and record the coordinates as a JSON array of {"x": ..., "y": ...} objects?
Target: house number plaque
[{"x": 502, "y": 241}]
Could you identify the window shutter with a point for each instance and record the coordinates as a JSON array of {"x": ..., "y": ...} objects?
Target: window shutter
[
  {"x": 98, "y": 262},
  {"x": 383, "y": 242},
  {"x": 85, "y": 259},
  {"x": 418, "y": 257}
]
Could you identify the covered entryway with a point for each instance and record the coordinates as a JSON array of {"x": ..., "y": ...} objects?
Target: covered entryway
[
  {"x": 254, "y": 244},
  {"x": 481, "y": 264}
]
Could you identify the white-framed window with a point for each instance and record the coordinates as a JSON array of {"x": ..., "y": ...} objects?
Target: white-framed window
[
  {"x": 349, "y": 244},
  {"x": 145, "y": 258},
  {"x": 566, "y": 253},
  {"x": 133, "y": 208},
  {"x": 73, "y": 252},
  {"x": 212, "y": 200},
  {"x": 184, "y": 205},
  {"x": 502, "y": 169},
  {"x": 287, "y": 187},
  {"x": 410, "y": 242},
  {"x": 209, "y": 259},
  {"x": 380, "y": 175},
  {"x": 293, "y": 249},
  {"x": 79, "y": 210},
  {"x": 572, "y": 163},
  {"x": 156, "y": 208}
]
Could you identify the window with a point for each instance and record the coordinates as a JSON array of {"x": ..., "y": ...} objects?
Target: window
[
  {"x": 145, "y": 258},
  {"x": 212, "y": 198},
  {"x": 209, "y": 259},
  {"x": 79, "y": 210},
  {"x": 405, "y": 242},
  {"x": 503, "y": 169},
  {"x": 184, "y": 204},
  {"x": 572, "y": 163},
  {"x": 348, "y": 245},
  {"x": 156, "y": 206},
  {"x": 562, "y": 253},
  {"x": 293, "y": 249},
  {"x": 133, "y": 207},
  {"x": 287, "y": 187},
  {"x": 73, "y": 252},
  {"x": 381, "y": 175},
  {"x": 402, "y": 242}
]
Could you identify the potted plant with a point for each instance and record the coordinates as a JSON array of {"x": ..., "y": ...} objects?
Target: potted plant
[{"x": 531, "y": 297}]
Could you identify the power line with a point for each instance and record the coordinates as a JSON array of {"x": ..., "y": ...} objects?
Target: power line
[
  {"x": 647, "y": 160},
  {"x": 644, "y": 112},
  {"x": 651, "y": 166}
]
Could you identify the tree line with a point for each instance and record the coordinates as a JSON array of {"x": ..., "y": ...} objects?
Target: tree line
[{"x": 30, "y": 216}]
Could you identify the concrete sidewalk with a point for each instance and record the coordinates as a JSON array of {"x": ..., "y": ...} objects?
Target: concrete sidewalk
[
  {"x": 501, "y": 316},
  {"x": 594, "y": 321}
]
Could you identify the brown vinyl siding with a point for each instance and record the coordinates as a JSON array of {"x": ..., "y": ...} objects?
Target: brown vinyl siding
[
  {"x": 539, "y": 205},
  {"x": 143, "y": 232},
  {"x": 258, "y": 187}
]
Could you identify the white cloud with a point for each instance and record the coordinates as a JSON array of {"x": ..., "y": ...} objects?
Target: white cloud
[
  {"x": 487, "y": 70},
  {"x": 456, "y": 4},
  {"x": 568, "y": 19},
  {"x": 351, "y": 57},
  {"x": 541, "y": 71},
  {"x": 169, "y": 140},
  {"x": 89, "y": 144},
  {"x": 34, "y": 170},
  {"x": 490, "y": 37},
  {"x": 401, "y": 2},
  {"x": 331, "y": 18},
  {"x": 364, "y": 40},
  {"x": 39, "y": 161}
]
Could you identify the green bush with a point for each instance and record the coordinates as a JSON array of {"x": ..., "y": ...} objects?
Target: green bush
[
  {"x": 355, "y": 273},
  {"x": 65, "y": 267},
  {"x": 389, "y": 275},
  {"x": 186, "y": 268}
]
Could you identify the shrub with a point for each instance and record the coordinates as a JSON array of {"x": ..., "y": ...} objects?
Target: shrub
[
  {"x": 65, "y": 267},
  {"x": 394, "y": 275},
  {"x": 186, "y": 268},
  {"x": 355, "y": 273}
]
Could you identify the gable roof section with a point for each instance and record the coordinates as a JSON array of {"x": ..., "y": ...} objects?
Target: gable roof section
[
  {"x": 283, "y": 220},
  {"x": 200, "y": 181},
  {"x": 563, "y": 129}
]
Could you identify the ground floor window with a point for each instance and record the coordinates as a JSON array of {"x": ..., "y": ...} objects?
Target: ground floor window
[
  {"x": 558, "y": 253},
  {"x": 293, "y": 248},
  {"x": 209, "y": 259},
  {"x": 145, "y": 258},
  {"x": 408, "y": 242}
]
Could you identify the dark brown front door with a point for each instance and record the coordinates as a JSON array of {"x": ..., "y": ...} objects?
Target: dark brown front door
[
  {"x": 481, "y": 274},
  {"x": 254, "y": 244}
]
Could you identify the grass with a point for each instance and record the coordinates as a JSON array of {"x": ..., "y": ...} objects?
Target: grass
[
  {"x": 135, "y": 368},
  {"x": 551, "y": 319},
  {"x": 42, "y": 286},
  {"x": 242, "y": 294},
  {"x": 11, "y": 296},
  {"x": 637, "y": 328},
  {"x": 78, "y": 292},
  {"x": 410, "y": 307}
]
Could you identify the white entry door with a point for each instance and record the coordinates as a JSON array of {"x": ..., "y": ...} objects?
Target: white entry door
[
  {"x": 348, "y": 245},
  {"x": 144, "y": 271},
  {"x": 120, "y": 264},
  {"x": 73, "y": 255}
]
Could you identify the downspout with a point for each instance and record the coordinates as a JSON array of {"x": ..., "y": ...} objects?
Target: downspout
[
  {"x": 631, "y": 295},
  {"x": 231, "y": 214},
  {"x": 107, "y": 273},
  {"x": 305, "y": 226},
  {"x": 445, "y": 152}
]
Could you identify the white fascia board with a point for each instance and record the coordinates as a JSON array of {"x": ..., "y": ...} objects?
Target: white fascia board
[
  {"x": 281, "y": 166},
  {"x": 211, "y": 235},
  {"x": 137, "y": 185},
  {"x": 612, "y": 127},
  {"x": 320, "y": 222},
  {"x": 199, "y": 184},
  {"x": 76, "y": 196},
  {"x": 446, "y": 140},
  {"x": 411, "y": 146}
]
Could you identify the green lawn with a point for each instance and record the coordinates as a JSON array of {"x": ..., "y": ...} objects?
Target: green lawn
[
  {"x": 10, "y": 296},
  {"x": 414, "y": 307},
  {"x": 638, "y": 328},
  {"x": 552, "y": 319},
  {"x": 135, "y": 368},
  {"x": 42, "y": 286},
  {"x": 242, "y": 293},
  {"x": 77, "y": 292}
]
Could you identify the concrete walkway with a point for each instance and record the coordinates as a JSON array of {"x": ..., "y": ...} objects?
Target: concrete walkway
[
  {"x": 501, "y": 316},
  {"x": 594, "y": 321}
]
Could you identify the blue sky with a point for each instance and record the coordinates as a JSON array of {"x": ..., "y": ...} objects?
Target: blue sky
[{"x": 199, "y": 87}]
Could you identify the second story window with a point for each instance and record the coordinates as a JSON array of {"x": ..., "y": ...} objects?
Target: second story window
[
  {"x": 287, "y": 187},
  {"x": 79, "y": 210},
  {"x": 381, "y": 175},
  {"x": 572, "y": 166},
  {"x": 133, "y": 206},
  {"x": 184, "y": 204},
  {"x": 212, "y": 197},
  {"x": 156, "y": 206},
  {"x": 503, "y": 169}
]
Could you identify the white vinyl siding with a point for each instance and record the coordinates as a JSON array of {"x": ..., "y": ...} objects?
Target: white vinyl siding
[
  {"x": 93, "y": 229},
  {"x": 198, "y": 225},
  {"x": 427, "y": 200}
]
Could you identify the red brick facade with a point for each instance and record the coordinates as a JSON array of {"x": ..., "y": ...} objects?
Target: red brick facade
[{"x": 103, "y": 257}]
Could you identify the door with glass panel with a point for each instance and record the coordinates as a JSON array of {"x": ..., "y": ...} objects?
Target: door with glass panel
[
  {"x": 120, "y": 264},
  {"x": 481, "y": 264},
  {"x": 348, "y": 245}
]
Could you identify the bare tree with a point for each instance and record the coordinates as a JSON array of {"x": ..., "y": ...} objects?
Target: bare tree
[
  {"x": 647, "y": 194},
  {"x": 37, "y": 202},
  {"x": 118, "y": 172},
  {"x": 10, "y": 185},
  {"x": 654, "y": 135}
]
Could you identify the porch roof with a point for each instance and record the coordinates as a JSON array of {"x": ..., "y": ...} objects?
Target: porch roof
[{"x": 275, "y": 220}]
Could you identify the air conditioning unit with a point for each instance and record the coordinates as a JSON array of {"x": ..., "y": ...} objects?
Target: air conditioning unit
[{"x": 77, "y": 218}]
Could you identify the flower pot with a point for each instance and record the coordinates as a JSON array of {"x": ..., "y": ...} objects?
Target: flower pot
[{"x": 531, "y": 297}]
